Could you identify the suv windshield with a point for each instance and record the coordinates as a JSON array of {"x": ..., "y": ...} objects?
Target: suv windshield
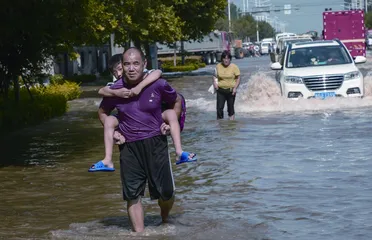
[{"x": 317, "y": 56}]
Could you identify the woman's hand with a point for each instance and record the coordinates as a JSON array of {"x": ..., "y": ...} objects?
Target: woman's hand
[
  {"x": 215, "y": 85},
  {"x": 234, "y": 91}
]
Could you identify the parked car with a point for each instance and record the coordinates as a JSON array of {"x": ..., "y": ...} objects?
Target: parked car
[{"x": 319, "y": 69}]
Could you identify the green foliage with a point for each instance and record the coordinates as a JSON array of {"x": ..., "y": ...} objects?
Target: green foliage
[
  {"x": 200, "y": 16},
  {"x": 190, "y": 65},
  {"x": 182, "y": 68},
  {"x": 56, "y": 79},
  {"x": 70, "y": 90},
  {"x": 222, "y": 24},
  {"x": 164, "y": 20},
  {"x": 245, "y": 27},
  {"x": 47, "y": 102},
  {"x": 201, "y": 65},
  {"x": 266, "y": 30},
  {"x": 368, "y": 19},
  {"x": 58, "y": 26}
]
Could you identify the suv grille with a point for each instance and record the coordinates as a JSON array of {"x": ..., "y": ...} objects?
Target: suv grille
[{"x": 323, "y": 83}]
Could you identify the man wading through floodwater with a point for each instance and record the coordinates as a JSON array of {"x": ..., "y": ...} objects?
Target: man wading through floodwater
[{"x": 144, "y": 156}]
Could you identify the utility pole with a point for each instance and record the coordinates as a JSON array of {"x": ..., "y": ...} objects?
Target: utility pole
[
  {"x": 366, "y": 6},
  {"x": 243, "y": 8},
  {"x": 228, "y": 9}
]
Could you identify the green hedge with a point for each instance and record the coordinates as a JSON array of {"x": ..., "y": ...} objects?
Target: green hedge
[
  {"x": 48, "y": 102},
  {"x": 184, "y": 68},
  {"x": 190, "y": 65}
]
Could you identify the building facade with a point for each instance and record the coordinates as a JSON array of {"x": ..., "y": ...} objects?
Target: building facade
[{"x": 90, "y": 60}]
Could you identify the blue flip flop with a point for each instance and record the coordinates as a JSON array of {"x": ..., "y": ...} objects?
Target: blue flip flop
[
  {"x": 185, "y": 157},
  {"x": 100, "y": 167}
]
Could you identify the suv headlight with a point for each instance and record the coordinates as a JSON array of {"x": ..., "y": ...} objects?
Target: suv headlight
[
  {"x": 351, "y": 75},
  {"x": 293, "y": 79}
]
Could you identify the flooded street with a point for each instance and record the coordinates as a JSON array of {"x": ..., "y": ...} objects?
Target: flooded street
[{"x": 283, "y": 170}]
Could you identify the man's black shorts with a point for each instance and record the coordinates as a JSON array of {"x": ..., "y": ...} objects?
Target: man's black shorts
[{"x": 146, "y": 160}]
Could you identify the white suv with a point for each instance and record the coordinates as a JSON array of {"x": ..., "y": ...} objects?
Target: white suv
[{"x": 319, "y": 69}]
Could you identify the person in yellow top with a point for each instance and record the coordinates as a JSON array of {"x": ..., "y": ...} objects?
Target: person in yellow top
[{"x": 226, "y": 80}]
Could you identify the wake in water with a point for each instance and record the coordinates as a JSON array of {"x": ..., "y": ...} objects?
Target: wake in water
[{"x": 262, "y": 94}]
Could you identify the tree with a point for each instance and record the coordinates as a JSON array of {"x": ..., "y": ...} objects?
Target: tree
[
  {"x": 368, "y": 19},
  {"x": 34, "y": 30},
  {"x": 199, "y": 17},
  {"x": 265, "y": 30},
  {"x": 145, "y": 22},
  {"x": 245, "y": 27},
  {"x": 222, "y": 23}
]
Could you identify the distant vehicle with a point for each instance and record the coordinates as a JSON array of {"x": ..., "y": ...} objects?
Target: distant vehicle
[
  {"x": 313, "y": 34},
  {"x": 268, "y": 40},
  {"x": 280, "y": 35},
  {"x": 347, "y": 26},
  {"x": 210, "y": 47},
  {"x": 369, "y": 38},
  {"x": 284, "y": 42},
  {"x": 319, "y": 69},
  {"x": 266, "y": 47}
]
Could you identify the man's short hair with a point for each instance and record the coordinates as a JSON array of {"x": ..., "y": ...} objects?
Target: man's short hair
[
  {"x": 143, "y": 57},
  {"x": 115, "y": 60}
]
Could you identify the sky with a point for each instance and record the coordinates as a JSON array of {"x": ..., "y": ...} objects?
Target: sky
[{"x": 307, "y": 17}]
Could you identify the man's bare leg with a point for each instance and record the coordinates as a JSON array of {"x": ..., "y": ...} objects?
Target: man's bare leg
[
  {"x": 165, "y": 208},
  {"x": 136, "y": 215}
]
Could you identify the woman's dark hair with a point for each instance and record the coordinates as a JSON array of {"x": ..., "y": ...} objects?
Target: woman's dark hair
[{"x": 225, "y": 54}]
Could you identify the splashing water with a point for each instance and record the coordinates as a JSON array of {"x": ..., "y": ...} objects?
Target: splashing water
[
  {"x": 368, "y": 86},
  {"x": 262, "y": 93}
]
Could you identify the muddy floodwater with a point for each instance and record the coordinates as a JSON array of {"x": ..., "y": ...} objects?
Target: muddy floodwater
[{"x": 283, "y": 170}]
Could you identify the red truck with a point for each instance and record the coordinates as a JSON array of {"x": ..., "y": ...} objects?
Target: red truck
[{"x": 347, "y": 26}]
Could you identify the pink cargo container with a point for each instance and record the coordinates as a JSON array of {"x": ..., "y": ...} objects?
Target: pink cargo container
[{"x": 347, "y": 26}]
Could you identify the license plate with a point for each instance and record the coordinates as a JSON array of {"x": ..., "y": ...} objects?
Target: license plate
[{"x": 324, "y": 95}]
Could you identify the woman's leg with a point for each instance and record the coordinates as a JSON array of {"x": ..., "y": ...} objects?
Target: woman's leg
[
  {"x": 230, "y": 106},
  {"x": 221, "y": 99}
]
